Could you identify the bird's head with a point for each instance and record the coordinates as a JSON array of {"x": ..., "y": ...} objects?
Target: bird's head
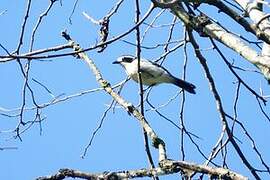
[{"x": 124, "y": 60}]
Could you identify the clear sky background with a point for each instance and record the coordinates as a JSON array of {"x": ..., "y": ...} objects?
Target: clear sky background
[{"x": 62, "y": 137}]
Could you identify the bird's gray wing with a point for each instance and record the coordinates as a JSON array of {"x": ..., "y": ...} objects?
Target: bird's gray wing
[{"x": 151, "y": 69}]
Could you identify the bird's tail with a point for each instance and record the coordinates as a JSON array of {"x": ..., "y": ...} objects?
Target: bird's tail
[{"x": 184, "y": 85}]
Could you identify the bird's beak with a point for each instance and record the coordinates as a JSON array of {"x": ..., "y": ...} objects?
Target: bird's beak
[{"x": 116, "y": 62}]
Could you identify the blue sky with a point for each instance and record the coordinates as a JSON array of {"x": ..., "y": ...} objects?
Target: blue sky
[{"x": 118, "y": 145}]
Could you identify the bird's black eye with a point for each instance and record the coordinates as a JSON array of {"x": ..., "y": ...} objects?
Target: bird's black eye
[{"x": 128, "y": 59}]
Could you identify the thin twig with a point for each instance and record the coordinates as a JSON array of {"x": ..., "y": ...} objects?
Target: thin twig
[
  {"x": 138, "y": 55},
  {"x": 97, "y": 129},
  {"x": 219, "y": 105},
  {"x": 150, "y": 10}
]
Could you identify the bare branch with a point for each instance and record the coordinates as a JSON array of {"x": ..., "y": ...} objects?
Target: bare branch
[
  {"x": 253, "y": 28},
  {"x": 219, "y": 105},
  {"x": 168, "y": 167},
  {"x": 138, "y": 55},
  {"x": 28, "y": 55},
  {"x": 204, "y": 26},
  {"x": 41, "y": 17},
  {"x": 157, "y": 142},
  {"x": 151, "y": 8},
  {"x": 97, "y": 129}
]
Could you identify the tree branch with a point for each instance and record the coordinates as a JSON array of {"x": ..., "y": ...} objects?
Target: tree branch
[
  {"x": 167, "y": 167},
  {"x": 130, "y": 108}
]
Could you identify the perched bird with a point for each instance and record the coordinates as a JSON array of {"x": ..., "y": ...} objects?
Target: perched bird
[{"x": 151, "y": 73}]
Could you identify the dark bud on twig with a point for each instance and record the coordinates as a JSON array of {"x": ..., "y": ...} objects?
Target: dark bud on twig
[{"x": 66, "y": 35}]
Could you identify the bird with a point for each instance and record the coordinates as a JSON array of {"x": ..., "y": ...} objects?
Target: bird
[{"x": 151, "y": 73}]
